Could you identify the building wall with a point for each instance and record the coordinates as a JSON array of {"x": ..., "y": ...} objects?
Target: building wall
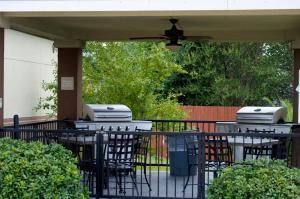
[{"x": 28, "y": 60}]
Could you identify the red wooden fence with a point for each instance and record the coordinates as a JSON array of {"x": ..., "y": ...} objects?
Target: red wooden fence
[{"x": 224, "y": 113}]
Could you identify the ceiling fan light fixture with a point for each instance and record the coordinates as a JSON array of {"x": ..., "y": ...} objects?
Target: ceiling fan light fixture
[
  {"x": 173, "y": 46},
  {"x": 173, "y": 35}
]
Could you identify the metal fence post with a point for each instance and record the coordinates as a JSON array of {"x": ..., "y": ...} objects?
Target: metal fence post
[
  {"x": 16, "y": 127},
  {"x": 99, "y": 165},
  {"x": 201, "y": 165}
]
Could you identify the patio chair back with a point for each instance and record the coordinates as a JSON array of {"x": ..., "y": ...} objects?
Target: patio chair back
[
  {"x": 278, "y": 151},
  {"x": 217, "y": 150},
  {"x": 141, "y": 154},
  {"x": 119, "y": 160},
  {"x": 141, "y": 148},
  {"x": 192, "y": 150},
  {"x": 119, "y": 150}
]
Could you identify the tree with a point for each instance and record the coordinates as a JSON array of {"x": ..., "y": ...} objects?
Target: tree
[
  {"x": 132, "y": 74},
  {"x": 233, "y": 73}
]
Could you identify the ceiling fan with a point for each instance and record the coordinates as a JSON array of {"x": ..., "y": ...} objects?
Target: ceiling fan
[{"x": 173, "y": 35}]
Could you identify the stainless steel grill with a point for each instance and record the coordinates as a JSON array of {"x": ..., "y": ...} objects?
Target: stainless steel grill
[
  {"x": 258, "y": 118},
  {"x": 109, "y": 112},
  {"x": 261, "y": 115},
  {"x": 111, "y": 117}
]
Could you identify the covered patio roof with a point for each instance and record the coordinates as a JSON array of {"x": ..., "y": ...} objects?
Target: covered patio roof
[
  {"x": 223, "y": 20},
  {"x": 72, "y": 22},
  {"x": 108, "y": 28}
]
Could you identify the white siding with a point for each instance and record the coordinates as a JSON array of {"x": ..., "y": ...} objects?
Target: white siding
[{"x": 28, "y": 60}]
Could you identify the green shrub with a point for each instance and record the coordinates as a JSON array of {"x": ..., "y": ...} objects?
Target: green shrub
[
  {"x": 257, "y": 179},
  {"x": 33, "y": 170}
]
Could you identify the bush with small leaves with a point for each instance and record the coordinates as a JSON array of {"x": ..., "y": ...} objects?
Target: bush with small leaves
[
  {"x": 35, "y": 171},
  {"x": 257, "y": 179}
]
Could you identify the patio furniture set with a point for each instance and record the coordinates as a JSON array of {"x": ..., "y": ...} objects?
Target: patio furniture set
[{"x": 125, "y": 152}]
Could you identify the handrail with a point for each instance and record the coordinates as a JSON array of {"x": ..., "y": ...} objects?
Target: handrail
[{"x": 194, "y": 121}]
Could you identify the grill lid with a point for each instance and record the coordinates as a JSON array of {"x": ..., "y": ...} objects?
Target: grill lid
[
  {"x": 109, "y": 112},
  {"x": 262, "y": 115},
  {"x": 108, "y": 107}
]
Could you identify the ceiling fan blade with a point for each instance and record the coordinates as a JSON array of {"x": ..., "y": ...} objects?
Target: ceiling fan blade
[
  {"x": 149, "y": 38},
  {"x": 197, "y": 38}
]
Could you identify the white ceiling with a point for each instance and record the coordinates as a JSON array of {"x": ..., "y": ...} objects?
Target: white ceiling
[
  {"x": 220, "y": 27},
  {"x": 114, "y": 20}
]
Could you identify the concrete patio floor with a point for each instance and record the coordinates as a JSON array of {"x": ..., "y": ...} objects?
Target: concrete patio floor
[{"x": 162, "y": 185}]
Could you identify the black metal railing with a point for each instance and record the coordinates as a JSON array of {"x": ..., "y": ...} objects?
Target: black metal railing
[
  {"x": 185, "y": 125},
  {"x": 155, "y": 164},
  {"x": 47, "y": 125},
  {"x": 157, "y": 125},
  {"x": 189, "y": 161}
]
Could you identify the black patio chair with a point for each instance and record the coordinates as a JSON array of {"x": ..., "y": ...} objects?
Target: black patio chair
[
  {"x": 258, "y": 151},
  {"x": 218, "y": 154},
  {"x": 141, "y": 154},
  {"x": 192, "y": 156},
  {"x": 119, "y": 160},
  {"x": 88, "y": 170}
]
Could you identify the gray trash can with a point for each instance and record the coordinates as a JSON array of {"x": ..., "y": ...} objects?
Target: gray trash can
[{"x": 179, "y": 159}]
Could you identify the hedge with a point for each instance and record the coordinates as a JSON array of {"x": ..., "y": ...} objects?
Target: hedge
[
  {"x": 33, "y": 170},
  {"x": 257, "y": 179}
]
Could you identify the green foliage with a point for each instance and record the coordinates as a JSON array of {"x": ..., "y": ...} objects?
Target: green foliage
[
  {"x": 284, "y": 103},
  {"x": 132, "y": 74},
  {"x": 235, "y": 74},
  {"x": 49, "y": 103},
  {"x": 289, "y": 106},
  {"x": 34, "y": 171},
  {"x": 257, "y": 179}
]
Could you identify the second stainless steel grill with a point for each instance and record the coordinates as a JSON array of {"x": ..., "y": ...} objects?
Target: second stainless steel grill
[
  {"x": 258, "y": 118},
  {"x": 261, "y": 115}
]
